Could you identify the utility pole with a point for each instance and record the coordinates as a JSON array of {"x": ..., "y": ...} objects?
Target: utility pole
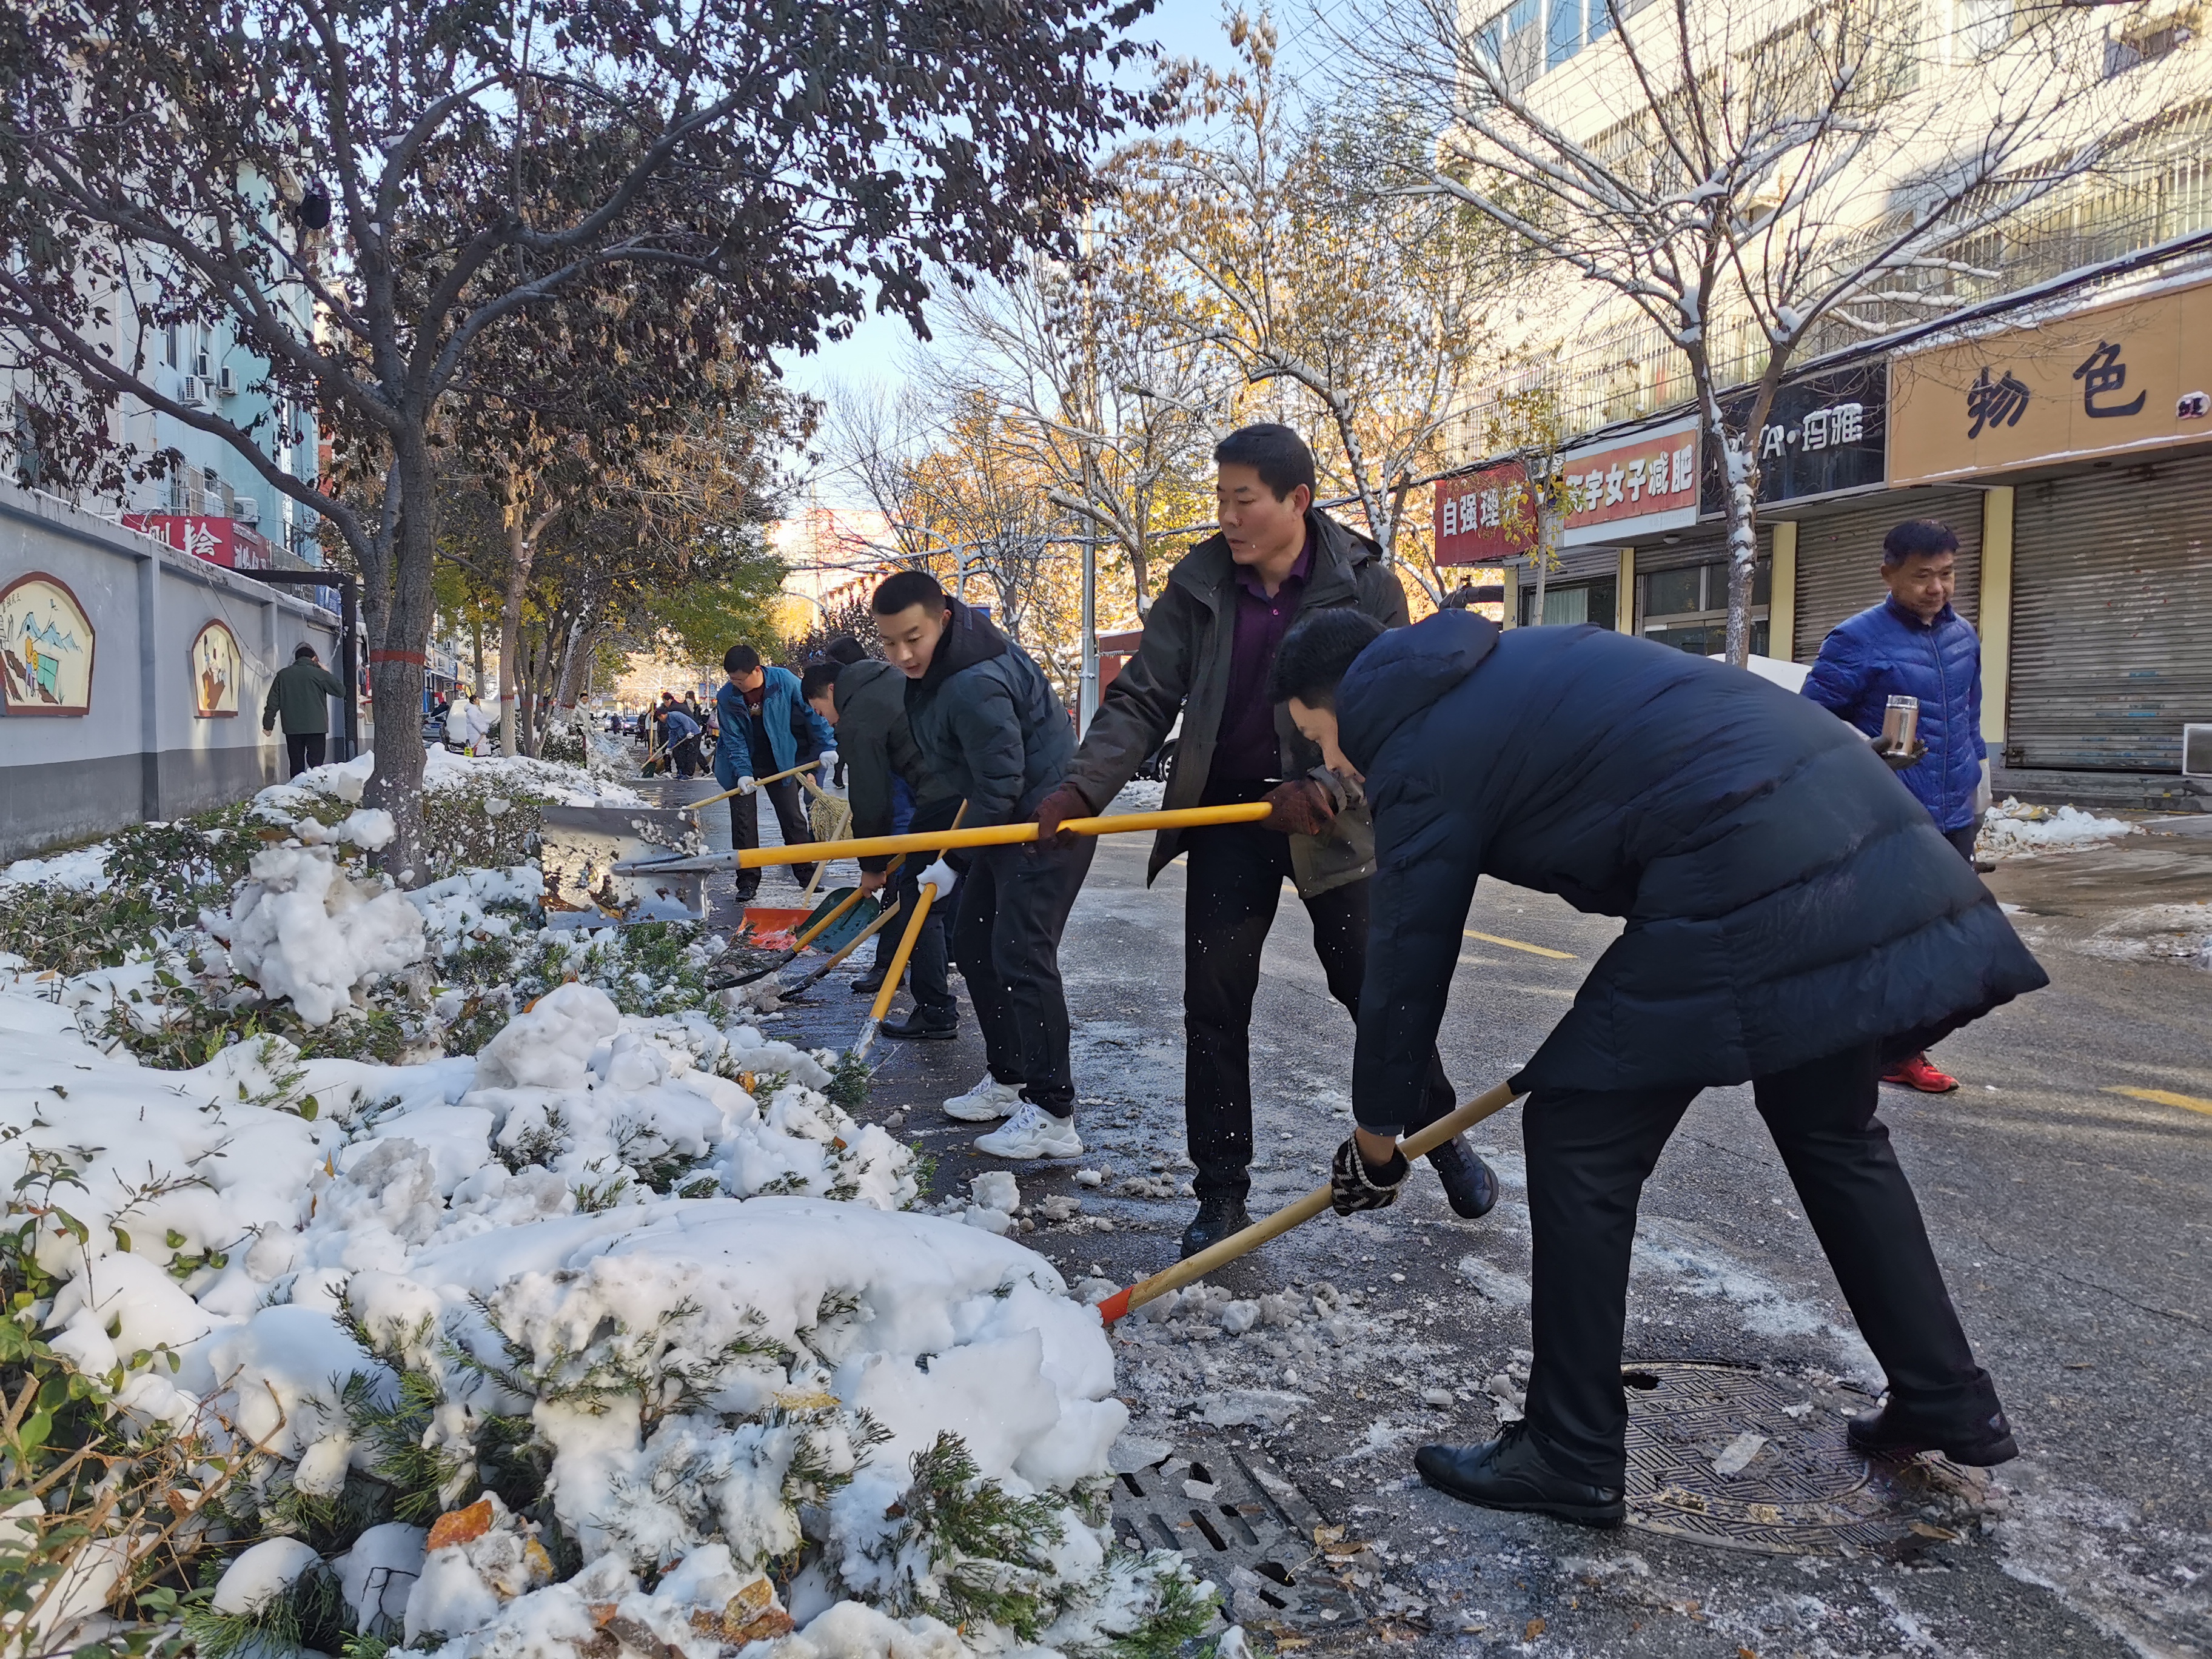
[{"x": 1087, "y": 695}]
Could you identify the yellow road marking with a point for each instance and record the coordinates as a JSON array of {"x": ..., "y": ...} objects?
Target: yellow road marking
[
  {"x": 1516, "y": 945},
  {"x": 2166, "y": 1098}
]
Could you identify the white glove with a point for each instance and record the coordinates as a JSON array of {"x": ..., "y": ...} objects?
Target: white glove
[
  {"x": 828, "y": 762},
  {"x": 746, "y": 786},
  {"x": 942, "y": 876},
  {"x": 1981, "y": 790}
]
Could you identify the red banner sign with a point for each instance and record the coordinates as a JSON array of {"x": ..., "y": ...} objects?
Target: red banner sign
[
  {"x": 1485, "y": 518},
  {"x": 211, "y": 536},
  {"x": 1631, "y": 487}
]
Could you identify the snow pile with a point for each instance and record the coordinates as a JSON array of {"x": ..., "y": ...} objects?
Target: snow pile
[
  {"x": 637, "y": 1278},
  {"x": 303, "y": 929},
  {"x": 2012, "y": 830},
  {"x": 458, "y": 907},
  {"x": 84, "y": 870}
]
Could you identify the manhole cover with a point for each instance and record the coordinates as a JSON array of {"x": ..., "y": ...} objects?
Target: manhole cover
[
  {"x": 1239, "y": 1521},
  {"x": 1793, "y": 1486}
]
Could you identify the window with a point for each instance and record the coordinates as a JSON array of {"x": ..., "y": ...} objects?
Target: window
[
  {"x": 1563, "y": 32},
  {"x": 1687, "y": 609},
  {"x": 1568, "y": 604},
  {"x": 169, "y": 345}
]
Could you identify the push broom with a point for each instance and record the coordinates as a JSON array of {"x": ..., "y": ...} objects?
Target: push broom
[{"x": 1295, "y": 1214}]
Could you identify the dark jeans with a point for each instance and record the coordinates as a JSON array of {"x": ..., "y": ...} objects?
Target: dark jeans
[
  {"x": 1589, "y": 1154},
  {"x": 1014, "y": 902},
  {"x": 304, "y": 750},
  {"x": 925, "y": 966},
  {"x": 1963, "y": 838},
  {"x": 686, "y": 757},
  {"x": 744, "y": 828},
  {"x": 1235, "y": 876}
]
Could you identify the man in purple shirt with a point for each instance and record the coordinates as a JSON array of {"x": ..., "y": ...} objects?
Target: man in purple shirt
[{"x": 1209, "y": 646}]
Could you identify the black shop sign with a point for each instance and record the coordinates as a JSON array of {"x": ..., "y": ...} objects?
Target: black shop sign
[{"x": 1825, "y": 433}]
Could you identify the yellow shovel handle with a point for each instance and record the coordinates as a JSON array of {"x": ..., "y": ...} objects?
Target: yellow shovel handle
[
  {"x": 1000, "y": 835},
  {"x": 844, "y": 904},
  {"x": 758, "y": 783}
]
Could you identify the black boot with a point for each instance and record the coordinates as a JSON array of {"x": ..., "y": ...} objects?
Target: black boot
[
  {"x": 1512, "y": 1473},
  {"x": 922, "y": 1023},
  {"x": 1219, "y": 1216},
  {"x": 869, "y": 983},
  {"x": 1895, "y": 1433},
  {"x": 1469, "y": 1183}
]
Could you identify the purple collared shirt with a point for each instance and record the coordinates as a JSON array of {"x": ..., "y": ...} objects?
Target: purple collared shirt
[{"x": 1248, "y": 747}]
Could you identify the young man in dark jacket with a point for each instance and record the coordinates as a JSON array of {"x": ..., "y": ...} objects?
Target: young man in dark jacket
[
  {"x": 990, "y": 727},
  {"x": 1914, "y": 644},
  {"x": 756, "y": 710},
  {"x": 865, "y": 703},
  {"x": 1209, "y": 645},
  {"x": 300, "y": 692},
  {"x": 1790, "y": 910}
]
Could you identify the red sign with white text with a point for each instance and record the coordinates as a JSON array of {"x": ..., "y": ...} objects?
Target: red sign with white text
[
  {"x": 1485, "y": 518},
  {"x": 1631, "y": 487},
  {"x": 211, "y": 536}
]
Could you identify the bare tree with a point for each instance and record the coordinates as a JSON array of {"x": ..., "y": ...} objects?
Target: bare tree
[{"x": 1743, "y": 176}]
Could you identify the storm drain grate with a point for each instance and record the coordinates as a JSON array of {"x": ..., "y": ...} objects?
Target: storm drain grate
[
  {"x": 1800, "y": 1491},
  {"x": 1238, "y": 1520}
]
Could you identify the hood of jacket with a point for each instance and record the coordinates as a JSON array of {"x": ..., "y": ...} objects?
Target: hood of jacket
[
  {"x": 856, "y": 678},
  {"x": 1402, "y": 673},
  {"x": 969, "y": 638}
]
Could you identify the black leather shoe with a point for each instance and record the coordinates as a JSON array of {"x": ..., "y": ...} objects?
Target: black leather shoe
[
  {"x": 1892, "y": 1432},
  {"x": 1510, "y": 1472},
  {"x": 919, "y": 1024},
  {"x": 1470, "y": 1184},
  {"x": 868, "y": 984},
  {"x": 1218, "y": 1218}
]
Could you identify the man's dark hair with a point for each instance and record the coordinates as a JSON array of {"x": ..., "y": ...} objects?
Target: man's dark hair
[
  {"x": 905, "y": 591},
  {"x": 303, "y": 649},
  {"x": 1278, "y": 454},
  {"x": 1916, "y": 538},
  {"x": 1315, "y": 654},
  {"x": 819, "y": 679},
  {"x": 845, "y": 650},
  {"x": 741, "y": 659}
]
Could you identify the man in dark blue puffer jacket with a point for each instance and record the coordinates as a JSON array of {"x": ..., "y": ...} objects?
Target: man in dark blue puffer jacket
[
  {"x": 1789, "y": 909},
  {"x": 1913, "y": 644}
]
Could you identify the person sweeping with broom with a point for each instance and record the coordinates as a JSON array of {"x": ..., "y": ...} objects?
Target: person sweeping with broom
[{"x": 1793, "y": 918}]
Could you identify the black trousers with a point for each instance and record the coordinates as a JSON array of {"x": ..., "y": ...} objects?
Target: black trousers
[
  {"x": 1589, "y": 1154},
  {"x": 1014, "y": 902},
  {"x": 790, "y": 818},
  {"x": 1234, "y": 881},
  {"x": 304, "y": 750},
  {"x": 926, "y": 968},
  {"x": 1963, "y": 838}
]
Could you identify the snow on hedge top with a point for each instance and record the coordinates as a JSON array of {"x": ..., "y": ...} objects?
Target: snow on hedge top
[{"x": 443, "y": 769}]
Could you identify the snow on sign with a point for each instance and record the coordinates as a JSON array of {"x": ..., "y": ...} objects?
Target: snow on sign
[
  {"x": 2133, "y": 375},
  {"x": 45, "y": 648},
  {"x": 1485, "y": 517},
  {"x": 1631, "y": 487}
]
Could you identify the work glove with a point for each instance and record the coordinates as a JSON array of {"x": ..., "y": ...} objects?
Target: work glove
[
  {"x": 942, "y": 875},
  {"x": 746, "y": 786},
  {"x": 1982, "y": 790},
  {"x": 1064, "y": 803},
  {"x": 827, "y": 765},
  {"x": 1300, "y": 807},
  {"x": 1354, "y": 1184}
]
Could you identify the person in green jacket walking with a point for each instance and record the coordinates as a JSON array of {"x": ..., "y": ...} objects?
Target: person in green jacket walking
[{"x": 300, "y": 694}]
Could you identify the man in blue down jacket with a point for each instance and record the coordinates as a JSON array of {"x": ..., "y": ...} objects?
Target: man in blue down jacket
[
  {"x": 1789, "y": 909},
  {"x": 759, "y": 712},
  {"x": 990, "y": 729},
  {"x": 1914, "y": 644}
]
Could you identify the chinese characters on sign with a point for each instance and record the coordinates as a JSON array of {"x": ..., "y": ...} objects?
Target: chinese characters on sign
[
  {"x": 1824, "y": 434},
  {"x": 1995, "y": 403},
  {"x": 2102, "y": 377},
  {"x": 1841, "y": 423},
  {"x": 1485, "y": 518},
  {"x": 1631, "y": 486}
]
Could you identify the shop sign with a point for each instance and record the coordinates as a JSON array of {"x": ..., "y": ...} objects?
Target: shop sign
[
  {"x": 1825, "y": 433},
  {"x": 1485, "y": 518},
  {"x": 2133, "y": 375},
  {"x": 211, "y": 536},
  {"x": 45, "y": 648},
  {"x": 1631, "y": 487}
]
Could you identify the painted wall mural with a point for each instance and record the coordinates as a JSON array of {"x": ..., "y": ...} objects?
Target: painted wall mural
[
  {"x": 45, "y": 648},
  {"x": 215, "y": 672}
]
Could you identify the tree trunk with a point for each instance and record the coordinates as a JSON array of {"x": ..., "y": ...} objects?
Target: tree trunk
[
  {"x": 521, "y": 549},
  {"x": 1740, "y": 495},
  {"x": 476, "y": 631},
  {"x": 397, "y": 680}
]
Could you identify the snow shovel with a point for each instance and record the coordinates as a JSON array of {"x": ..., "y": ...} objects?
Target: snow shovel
[
  {"x": 814, "y": 977},
  {"x": 1295, "y": 1214},
  {"x": 935, "y": 841},
  {"x": 832, "y": 925}
]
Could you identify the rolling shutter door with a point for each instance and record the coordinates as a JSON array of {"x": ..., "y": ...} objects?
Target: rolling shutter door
[
  {"x": 1839, "y": 559},
  {"x": 2111, "y": 618}
]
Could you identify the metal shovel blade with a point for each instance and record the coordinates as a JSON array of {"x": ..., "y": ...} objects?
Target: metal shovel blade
[{"x": 580, "y": 846}]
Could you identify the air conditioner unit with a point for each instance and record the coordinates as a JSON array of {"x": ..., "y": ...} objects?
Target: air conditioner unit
[
  {"x": 200, "y": 365},
  {"x": 211, "y": 504},
  {"x": 226, "y": 382},
  {"x": 2197, "y": 751},
  {"x": 246, "y": 510},
  {"x": 194, "y": 394}
]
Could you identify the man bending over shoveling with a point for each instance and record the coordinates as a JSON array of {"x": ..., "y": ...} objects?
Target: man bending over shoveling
[{"x": 1793, "y": 916}]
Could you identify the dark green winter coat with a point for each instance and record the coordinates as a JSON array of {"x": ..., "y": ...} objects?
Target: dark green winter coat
[
  {"x": 1182, "y": 665},
  {"x": 299, "y": 693}
]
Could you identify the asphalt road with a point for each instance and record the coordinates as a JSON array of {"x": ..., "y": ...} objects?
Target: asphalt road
[{"x": 2071, "y": 1218}]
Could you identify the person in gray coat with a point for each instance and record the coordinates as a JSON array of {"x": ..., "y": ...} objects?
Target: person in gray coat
[
  {"x": 1209, "y": 644},
  {"x": 990, "y": 726}
]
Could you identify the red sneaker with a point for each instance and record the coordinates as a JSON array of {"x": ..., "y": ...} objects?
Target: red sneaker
[{"x": 1917, "y": 1073}]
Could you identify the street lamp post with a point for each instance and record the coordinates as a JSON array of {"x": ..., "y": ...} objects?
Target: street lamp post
[{"x": 1087, "y": 696}]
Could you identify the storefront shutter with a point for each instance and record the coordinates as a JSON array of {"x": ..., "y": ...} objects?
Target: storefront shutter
[
  {"x": 2112, "y": 617},
  {"x": 1839, "y": 558}
]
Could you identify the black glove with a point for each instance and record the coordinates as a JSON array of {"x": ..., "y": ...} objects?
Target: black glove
[
  {"x": 1899, "y": 762},
  {"x": 1354, "y": 1184}
]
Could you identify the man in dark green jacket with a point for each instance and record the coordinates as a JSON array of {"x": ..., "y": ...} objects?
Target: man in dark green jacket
[
  {"x": 1209, "y": 645},
  {"x": 865, "y": 703},
  {"x": 300, "y": 694}
]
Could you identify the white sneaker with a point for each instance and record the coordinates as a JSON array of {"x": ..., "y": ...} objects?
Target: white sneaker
[
  {"x": 1033, "y": 1132},
  {"x": 987, "y": 1101}
]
